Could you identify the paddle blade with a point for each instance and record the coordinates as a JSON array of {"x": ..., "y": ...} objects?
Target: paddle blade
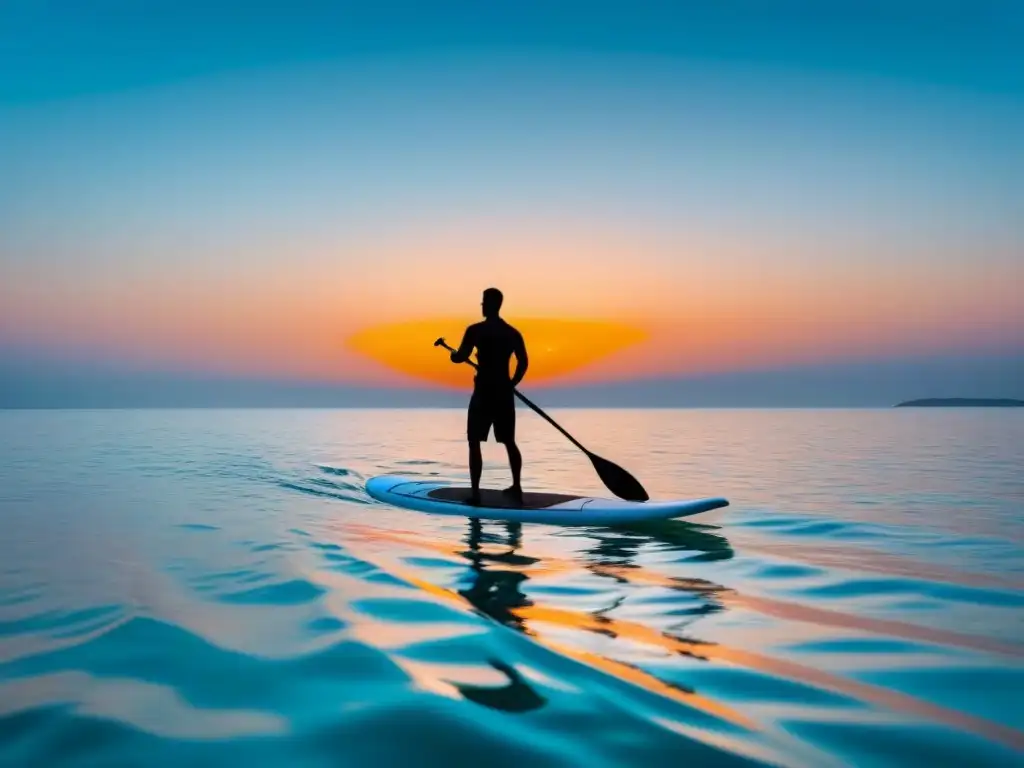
[{"x": 617, "y": 480}]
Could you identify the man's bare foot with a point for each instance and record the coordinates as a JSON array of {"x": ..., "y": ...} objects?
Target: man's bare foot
[
  {"x": 474, "y": 498},
  {"x": 515, "y": 491}
]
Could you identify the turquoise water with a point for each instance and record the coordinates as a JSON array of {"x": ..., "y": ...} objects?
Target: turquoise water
[{"x": 215, "y": 587}]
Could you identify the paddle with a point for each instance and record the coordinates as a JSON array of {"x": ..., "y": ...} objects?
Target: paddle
[{"x": 615, "y": 478}]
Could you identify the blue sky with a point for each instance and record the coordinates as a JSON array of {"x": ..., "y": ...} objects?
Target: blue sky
[
  {"x": 59, "y": 49},
  {"x": 179, "y": 181}
]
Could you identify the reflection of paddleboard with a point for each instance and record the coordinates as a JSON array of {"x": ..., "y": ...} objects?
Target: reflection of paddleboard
[{"x": 441, "y": 497}]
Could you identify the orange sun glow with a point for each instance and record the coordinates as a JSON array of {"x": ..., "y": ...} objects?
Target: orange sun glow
[{"x": 555, "y": 347}]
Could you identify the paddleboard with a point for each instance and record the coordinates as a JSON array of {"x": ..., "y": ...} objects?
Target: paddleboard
[{"x": 440, "y": 497}]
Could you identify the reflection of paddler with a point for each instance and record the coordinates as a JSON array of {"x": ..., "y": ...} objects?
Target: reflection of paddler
[{"x": 494, "y": 591}]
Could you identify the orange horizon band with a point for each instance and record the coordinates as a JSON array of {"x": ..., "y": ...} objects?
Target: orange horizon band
[{"x": 555, "y": 347}]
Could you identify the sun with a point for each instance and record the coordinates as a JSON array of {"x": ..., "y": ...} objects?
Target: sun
[{"x": 556, "y": 347}]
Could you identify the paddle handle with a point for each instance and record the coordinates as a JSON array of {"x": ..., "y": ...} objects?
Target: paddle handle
[{"x": 530, "y": 403}]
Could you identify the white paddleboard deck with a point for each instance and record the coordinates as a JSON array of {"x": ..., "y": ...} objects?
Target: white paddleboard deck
[{"x": 441, "y": 497}]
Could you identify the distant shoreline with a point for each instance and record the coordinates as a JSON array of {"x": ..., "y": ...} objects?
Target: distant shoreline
[{"x": 962, "y": 402}]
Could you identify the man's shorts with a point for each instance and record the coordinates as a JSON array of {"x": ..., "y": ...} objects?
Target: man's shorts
[{"x": 489, "y": 408}]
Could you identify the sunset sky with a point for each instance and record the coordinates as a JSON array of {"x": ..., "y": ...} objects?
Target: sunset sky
[{"x": 312, "y": 192}]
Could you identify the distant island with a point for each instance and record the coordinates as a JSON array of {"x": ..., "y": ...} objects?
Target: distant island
[{"x": 962, "y": 402}]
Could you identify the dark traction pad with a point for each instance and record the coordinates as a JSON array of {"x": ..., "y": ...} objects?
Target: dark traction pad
[{"x": 499, "y": 500}]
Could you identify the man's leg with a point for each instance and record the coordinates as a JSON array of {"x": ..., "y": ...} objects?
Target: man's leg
[
  {"x": 515, "y": 463},
  {"x": 505, "y": 432},
  {"x": 476, "y": 465},
  {"x": 477, "y": 427}
]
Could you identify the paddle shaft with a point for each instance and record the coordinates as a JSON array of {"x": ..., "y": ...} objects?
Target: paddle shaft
[{"x": 536, "y": 409}]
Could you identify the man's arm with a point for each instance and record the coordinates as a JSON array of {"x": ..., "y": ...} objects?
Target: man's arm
[
  {"x": 522, "y": 361},
  {"x": 462, "y": 354}
]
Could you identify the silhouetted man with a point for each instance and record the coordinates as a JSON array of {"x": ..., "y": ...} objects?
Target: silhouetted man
[{"x": 493, "y": 401}]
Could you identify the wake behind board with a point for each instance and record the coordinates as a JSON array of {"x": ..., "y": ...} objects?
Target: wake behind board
[{"x": 441, "y": 497}]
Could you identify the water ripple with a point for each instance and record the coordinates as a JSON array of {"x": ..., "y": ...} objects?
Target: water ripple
[{"x": 197, "y": 588}]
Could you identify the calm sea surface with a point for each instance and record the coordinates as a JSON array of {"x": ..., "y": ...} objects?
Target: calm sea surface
[{"x": 216, "y": 588}]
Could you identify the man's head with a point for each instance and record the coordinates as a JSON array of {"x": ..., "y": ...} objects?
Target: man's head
[{"x": 492, "y": 302}]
